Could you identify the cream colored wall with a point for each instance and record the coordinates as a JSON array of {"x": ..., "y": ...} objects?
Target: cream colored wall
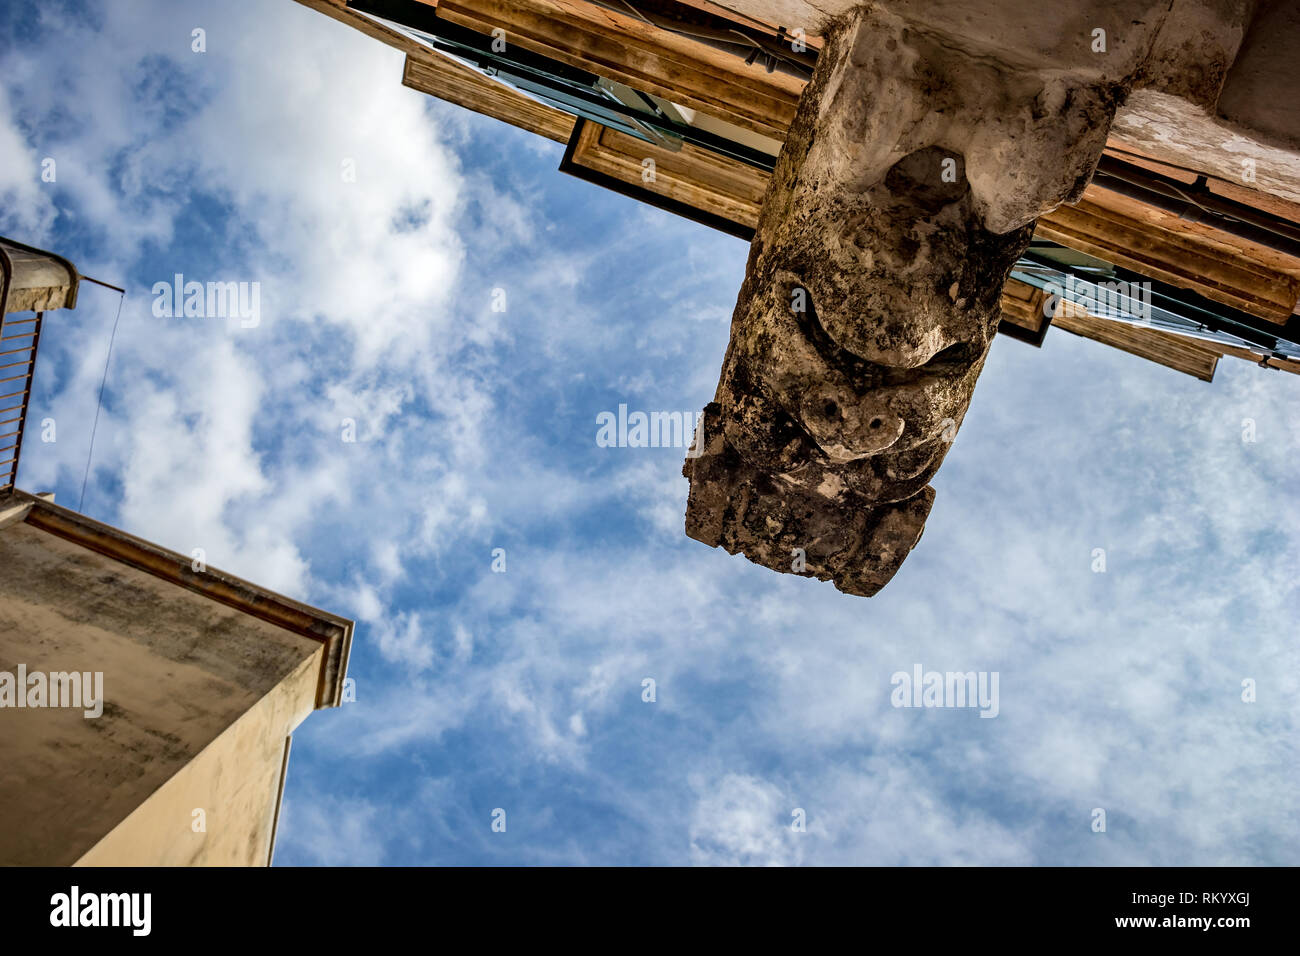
[
  {"x": 179, "y": 670},
  {"x": 235, "y": 782}
]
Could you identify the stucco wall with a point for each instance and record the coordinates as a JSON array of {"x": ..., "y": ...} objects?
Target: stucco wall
[
  {"x": 179, "y": 669},
  {"x": 235, "y": 782}
]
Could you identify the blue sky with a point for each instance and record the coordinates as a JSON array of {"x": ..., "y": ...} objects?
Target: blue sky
[{"x": 476, "y": 430}]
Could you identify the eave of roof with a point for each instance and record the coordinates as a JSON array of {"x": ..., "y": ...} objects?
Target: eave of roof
[{"x": 332, "y": 631}]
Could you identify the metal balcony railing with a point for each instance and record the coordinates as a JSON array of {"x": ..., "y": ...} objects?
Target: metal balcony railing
[{"x": 19, "y": 338}]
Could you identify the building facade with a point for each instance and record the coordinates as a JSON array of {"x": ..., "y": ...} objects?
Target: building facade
[{"x": 684, "y": 104}]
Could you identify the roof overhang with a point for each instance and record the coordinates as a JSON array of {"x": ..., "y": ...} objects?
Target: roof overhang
[
  {"x": 33, "y": 280},
  {"x": 334, "y": 633}
]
